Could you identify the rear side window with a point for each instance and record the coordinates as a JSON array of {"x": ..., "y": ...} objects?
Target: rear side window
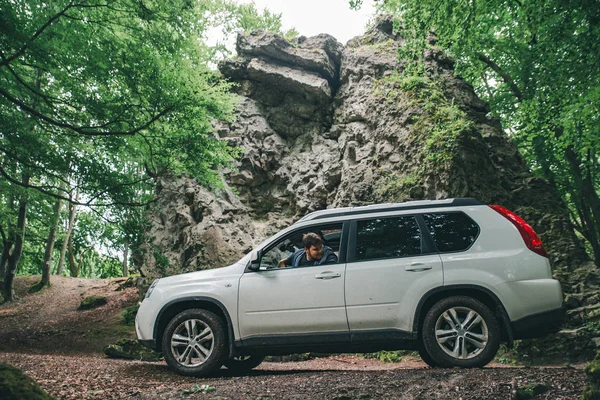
[
  {"x": 451, "y": 231},
  {"x": 387, "y": 238}
]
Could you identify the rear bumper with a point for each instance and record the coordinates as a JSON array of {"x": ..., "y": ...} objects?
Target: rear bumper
[{"x": 539, "y": 325}]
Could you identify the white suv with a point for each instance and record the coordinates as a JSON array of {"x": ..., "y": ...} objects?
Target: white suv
[{"x": 450, "y": 278}]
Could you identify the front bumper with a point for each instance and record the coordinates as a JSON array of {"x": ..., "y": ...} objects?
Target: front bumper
[{"x": 539, "y": 325}]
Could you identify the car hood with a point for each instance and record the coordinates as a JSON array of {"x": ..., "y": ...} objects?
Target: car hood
[{"x": 234, "y": 269}]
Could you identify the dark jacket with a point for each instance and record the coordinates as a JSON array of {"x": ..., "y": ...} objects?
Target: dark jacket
[{"x": 329, "y": 257}]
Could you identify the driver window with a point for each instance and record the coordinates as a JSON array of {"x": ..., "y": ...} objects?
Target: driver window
[{"x": 325, "y": 249}]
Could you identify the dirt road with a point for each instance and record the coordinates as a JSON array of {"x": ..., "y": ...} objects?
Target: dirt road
[
  {"x": 61, "y": 348},
  {"x": 334, "y": 378}
]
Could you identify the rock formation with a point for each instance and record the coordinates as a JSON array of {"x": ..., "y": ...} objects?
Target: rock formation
[{"x": 324, "y": 125}]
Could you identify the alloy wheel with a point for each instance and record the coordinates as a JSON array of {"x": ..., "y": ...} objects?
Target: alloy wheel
[
  {"x": 461, "y": 333},
  {"x": 192, "y": 342}
]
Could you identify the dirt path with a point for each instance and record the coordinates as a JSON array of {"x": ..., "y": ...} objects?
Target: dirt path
[
  {"x": 61, "y": 348},
  {"x": 335, "y": 378},
  {"x": 49, "y": 321}
]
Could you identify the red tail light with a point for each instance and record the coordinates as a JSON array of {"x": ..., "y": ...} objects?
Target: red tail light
[{"x": 531, "y": 239}]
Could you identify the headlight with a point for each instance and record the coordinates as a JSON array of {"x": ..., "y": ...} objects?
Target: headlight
[{"x": 151, "y": 288}]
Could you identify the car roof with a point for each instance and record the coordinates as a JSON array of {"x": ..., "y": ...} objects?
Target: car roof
[{"x": 374, "y": 208}]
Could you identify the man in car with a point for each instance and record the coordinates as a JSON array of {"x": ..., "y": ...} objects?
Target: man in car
[{"x": 313, "y": 253}]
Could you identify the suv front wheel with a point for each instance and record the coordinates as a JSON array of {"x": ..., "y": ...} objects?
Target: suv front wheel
[
  {"x": 460, "y": 331},
  {"x": 194, "y": 342}
]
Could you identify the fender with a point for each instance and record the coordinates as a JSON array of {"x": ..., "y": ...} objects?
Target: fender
[
  {"x": 457, "y": 289},
  {"x": 197, "y": 299}
]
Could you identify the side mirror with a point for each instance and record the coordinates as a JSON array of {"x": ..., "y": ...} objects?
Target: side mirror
[{"x": 254, "y": 261}]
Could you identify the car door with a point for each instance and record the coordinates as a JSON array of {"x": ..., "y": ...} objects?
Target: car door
[
  {"x": 390, "y": 266},
  {"x": 295, "y": 301}
]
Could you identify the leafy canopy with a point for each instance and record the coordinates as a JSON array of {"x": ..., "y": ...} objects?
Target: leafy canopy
[
  {"x": 87, "y": 86},
  {"x": 96, "y": 99}
]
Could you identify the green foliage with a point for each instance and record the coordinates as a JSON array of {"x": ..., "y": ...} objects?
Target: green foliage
[
  {"x": 592, "y": 371},
  {"x": 14, "y": 384},
  {"x": 389, "y": 356},
  {"x": 232, "y": 17},
  {"x": 440, "y": 126},
  {"x": 396, "y": 186},
  {"x": 162, "y": 262},
  {"x": 530, "y": 391},
  {"x": 154, "y": 109},
  {"x": 128, "y": 315},
  {"x": 199, "y": 389},
  {"x": 536, "y": 63},
  {"x": 92, "y": 302},
  {"x": 96, "y": 100},
  {"x": 131, "y": 350}
]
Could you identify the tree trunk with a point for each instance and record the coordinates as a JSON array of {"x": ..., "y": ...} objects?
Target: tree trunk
[
  {"x": 71, "y": 222},
  {"x": 588, "y": 204},
  {"x": 73, "y": 266},
  {"x": 125, "y": 259},
  {"x": 15, "y": 256},
  {"x": 6, "y": 247},
  {"x": 47, "y": 264}
]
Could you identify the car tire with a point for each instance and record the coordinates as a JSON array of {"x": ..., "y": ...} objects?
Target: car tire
[
  {"x": 243, "y": 364},
  {"x": 460, "y": 331},
  {"x": 195, "y": 342},
  {"x": 426, "y": 357}
]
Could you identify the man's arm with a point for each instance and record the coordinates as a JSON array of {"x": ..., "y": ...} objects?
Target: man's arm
[{"x": 285, "y": 262}]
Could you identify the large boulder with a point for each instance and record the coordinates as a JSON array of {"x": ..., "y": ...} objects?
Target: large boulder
[
  {"x": 15, "y": 385},
  {"x": 324, "y": 125}
]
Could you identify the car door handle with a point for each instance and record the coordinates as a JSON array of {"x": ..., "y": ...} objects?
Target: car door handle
[
  {"x": 328, "y": 275},
  {"x": 417, "y": 267}
]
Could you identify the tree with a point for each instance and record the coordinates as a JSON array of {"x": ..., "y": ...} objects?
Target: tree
[
  {"x": 85, "y": 85},
  {"x": 47, "y": 262},
  {"x": 94, "y": 89},
  {"x": 538, "y": 65}
]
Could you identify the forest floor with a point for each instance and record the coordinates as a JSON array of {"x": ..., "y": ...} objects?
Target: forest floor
[{"x": 61, "y": 348}]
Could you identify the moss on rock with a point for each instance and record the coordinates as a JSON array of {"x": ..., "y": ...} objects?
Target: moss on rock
[
  {"x": 131, "y": 350},
  {"x": 15, "y": 385},
  {"x": 531, "y": 390},
  {"x": 92, "y": 302},
  {"x": 592, "y": 370},
  {"x": 128, "y": 315}
]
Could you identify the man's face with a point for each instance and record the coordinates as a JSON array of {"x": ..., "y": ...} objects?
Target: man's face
[{"x": 315, "y": 252}]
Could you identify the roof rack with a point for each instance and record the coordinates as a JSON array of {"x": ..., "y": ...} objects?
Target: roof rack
[{"x": 409, "y": 205}]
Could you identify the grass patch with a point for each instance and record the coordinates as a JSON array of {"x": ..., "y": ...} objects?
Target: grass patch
[
  {"x": 121, "y": 331},
  {"x": 390, "y": 356}
]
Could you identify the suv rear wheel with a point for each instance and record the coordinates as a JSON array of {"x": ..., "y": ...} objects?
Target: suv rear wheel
[
  {"x": 194, "y": 342},
  {"x": 460, "y": 331}
]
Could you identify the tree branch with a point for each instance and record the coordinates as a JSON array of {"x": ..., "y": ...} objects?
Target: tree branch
[
  {"x": 8, "y": 60},
  {"x": 505, "y": 77},
  {"x": 38, "y": 33},
  {"x": 87, "y": 131},
  {"x": 43, "y": 190}
]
